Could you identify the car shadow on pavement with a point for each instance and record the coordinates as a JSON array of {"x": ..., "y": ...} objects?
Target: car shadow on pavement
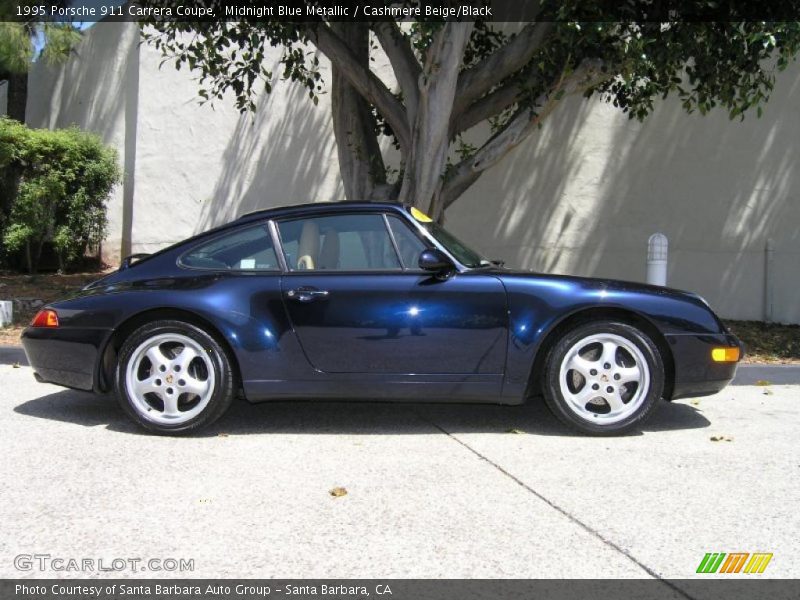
[{"x": 350, "y": 418}]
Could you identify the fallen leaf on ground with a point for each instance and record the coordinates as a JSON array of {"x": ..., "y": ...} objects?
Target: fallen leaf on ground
[
  {"x": 763, "y": 382},
  {"x": 514, "y": 430},
  {"x": 337, "y": 492},
  {"x": 694, "y": 402},
  {"x": 15, "y": 365},
  {"x": 767, "y": 392},
  {"x": 721, "y": 438}
]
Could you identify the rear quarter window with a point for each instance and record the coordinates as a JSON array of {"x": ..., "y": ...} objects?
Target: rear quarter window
[{"x": 248, "y": 249}]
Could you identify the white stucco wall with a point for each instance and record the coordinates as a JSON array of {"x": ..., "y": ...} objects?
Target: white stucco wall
[
  {"x": 582, "y": 196},
  {"x": 199, "y": 166},
  {"x": 96, "y": 90}
]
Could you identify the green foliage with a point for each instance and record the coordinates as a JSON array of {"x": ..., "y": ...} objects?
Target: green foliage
[
  {"x": 706, "y": 64},
  {"x": 53, "y": 187},
  {"x": 709, "y": 64},
  {"x": 59, "y": 39},
  {"x": 230, "y": 56},
  {"x": 17, "y": 48}
]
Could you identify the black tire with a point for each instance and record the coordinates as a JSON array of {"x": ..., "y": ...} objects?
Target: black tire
[
  {"x": 647, "y": 402},
  {"x": 214, "y": 356}
]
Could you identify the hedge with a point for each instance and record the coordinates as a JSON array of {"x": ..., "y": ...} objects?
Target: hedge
[{"x": 54, "y": 185}]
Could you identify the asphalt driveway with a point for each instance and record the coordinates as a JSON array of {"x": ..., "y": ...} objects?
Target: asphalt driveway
[{"x": 432, "y": 491}]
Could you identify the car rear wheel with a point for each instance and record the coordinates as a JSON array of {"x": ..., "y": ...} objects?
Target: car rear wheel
[
  {"x": 173, "y": 378},
  {"x": 604, "y": 377}
]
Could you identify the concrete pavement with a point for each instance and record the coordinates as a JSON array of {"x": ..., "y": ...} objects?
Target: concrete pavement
[{"x": 433, "y": 490}]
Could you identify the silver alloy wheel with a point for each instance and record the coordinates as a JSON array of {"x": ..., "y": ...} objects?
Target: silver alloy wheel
[
  {"x": 604, "y": 378},
  {"x": 170, "y": 379}
]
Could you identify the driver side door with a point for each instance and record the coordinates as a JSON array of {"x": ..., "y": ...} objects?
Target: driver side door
[{"x": 359, "y": 303}]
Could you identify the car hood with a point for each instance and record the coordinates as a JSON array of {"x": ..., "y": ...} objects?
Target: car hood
[{"x": 602, "y": 283}]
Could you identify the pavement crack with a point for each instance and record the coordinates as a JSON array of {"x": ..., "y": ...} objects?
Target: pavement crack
[{"x": 587, "y": 528}]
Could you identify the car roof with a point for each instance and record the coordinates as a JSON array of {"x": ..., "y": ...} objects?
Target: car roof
[
  {"x": 293, "y": 210},
  {"x": 312, "y": 208}
]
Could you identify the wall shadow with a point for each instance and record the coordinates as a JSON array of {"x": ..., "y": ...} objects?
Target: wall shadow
[
  {"x": 284, "y": 153},
  {"x": 526, "y": 196},
  {"x": 91, "y": 89},
  {"x": 96, "y": 90},
  {"x": 313, "y": 417},
  {"x": 585, "y": 193}
]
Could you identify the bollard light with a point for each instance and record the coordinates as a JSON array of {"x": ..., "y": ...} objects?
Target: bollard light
[{"x": 657, "y": 252}]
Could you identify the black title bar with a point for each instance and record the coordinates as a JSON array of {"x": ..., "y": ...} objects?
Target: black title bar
[
  {"x": 707, "y": 588},
  {"x": 380, "y": 10}
]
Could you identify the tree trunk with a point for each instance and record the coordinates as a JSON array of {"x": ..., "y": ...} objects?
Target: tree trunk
[
  {"x": 360, "y": 160},
  {"x": 430, "y": 135},
  {"x": 17, "y": 95},
  {"x": 38, "y": 258},
  {"x": 28, "y": 258}
]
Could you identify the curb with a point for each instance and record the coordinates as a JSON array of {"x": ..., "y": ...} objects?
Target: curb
[
  {"x": 772, "y": 374},
  {"x": 10, "y": 355}
]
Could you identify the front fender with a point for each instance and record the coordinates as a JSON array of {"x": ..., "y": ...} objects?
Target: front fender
[{"x": 538, "y": 304}]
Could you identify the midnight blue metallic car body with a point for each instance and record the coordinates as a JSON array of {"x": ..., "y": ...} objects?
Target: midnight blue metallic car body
[{"x": 480, "y": 334}]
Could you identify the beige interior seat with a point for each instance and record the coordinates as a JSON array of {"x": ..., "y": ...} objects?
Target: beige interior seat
[
  {"x": 308, "y": 247},
  {"x": 329, "y": 255}
]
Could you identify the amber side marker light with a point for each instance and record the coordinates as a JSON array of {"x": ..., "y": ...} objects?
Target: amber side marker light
[
  {"x": 725, "y": 354},
  {"x": 45, "y": 318}
]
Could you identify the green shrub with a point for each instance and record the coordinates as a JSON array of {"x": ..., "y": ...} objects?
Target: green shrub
[{"x": 53, "y": 188}]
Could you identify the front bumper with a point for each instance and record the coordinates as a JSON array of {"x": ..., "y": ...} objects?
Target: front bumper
[
  {"x": 64, "y": 356},
  {"x": 696, "y": 374}
]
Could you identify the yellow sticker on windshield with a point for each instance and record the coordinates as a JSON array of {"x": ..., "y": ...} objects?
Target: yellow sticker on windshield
[{"x": 420, "y": 216}]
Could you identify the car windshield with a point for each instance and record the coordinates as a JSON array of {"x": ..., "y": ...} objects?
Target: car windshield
[{"x": 465, "y": 255}]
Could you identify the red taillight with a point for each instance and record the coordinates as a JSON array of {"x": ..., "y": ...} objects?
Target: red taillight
[{"x": 45, "y": 318}]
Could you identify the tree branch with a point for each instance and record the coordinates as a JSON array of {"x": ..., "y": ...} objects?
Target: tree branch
[
  {"x": 525, "y": 121},
  {"x": 490, "y": 105},
  {"x": 482, "y": 77},
  {"x": 404, "y": 63},
  {"x": 430, "y": 136},
  {"x": 363, "y": 80},
  {"x": 360, "y": 160}
]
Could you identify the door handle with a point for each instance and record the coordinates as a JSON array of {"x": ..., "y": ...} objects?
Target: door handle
[{"x": 306, "y": 294}]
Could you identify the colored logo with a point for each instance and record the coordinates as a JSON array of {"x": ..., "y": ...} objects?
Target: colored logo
[{"x": 734, "y": 562}]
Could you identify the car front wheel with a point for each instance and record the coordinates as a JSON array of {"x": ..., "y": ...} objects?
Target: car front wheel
[
  {"x": 173, "y": 377},
  {"x": 604, "y": 377}
]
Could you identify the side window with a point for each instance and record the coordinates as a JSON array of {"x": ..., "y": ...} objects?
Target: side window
[
  {"x": 338, "y": 243},
  {"x": 408, "y": 244},
  {"x": 243, "y": 250}
]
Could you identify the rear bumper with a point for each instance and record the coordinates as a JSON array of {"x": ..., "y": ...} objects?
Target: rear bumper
[
  {"x": 64, "y": 356},
  {"x": 696, "y": 374}
]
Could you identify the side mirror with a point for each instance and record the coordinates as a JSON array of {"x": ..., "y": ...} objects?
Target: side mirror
[{"x": 436, "y": 261}]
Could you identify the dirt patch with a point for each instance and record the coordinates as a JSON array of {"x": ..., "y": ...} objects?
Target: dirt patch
[
  {"x": 47, "y": 287},
  {"x": 771, "y": 343}
]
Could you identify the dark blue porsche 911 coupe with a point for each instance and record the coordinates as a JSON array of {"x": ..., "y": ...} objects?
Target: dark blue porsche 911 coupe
[{"x": 371, "y": 301}]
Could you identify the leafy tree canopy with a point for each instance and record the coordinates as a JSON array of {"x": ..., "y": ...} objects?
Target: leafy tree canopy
[
  {"x": 22, "y": 42},
  {"x": 19, "y": 39}
]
